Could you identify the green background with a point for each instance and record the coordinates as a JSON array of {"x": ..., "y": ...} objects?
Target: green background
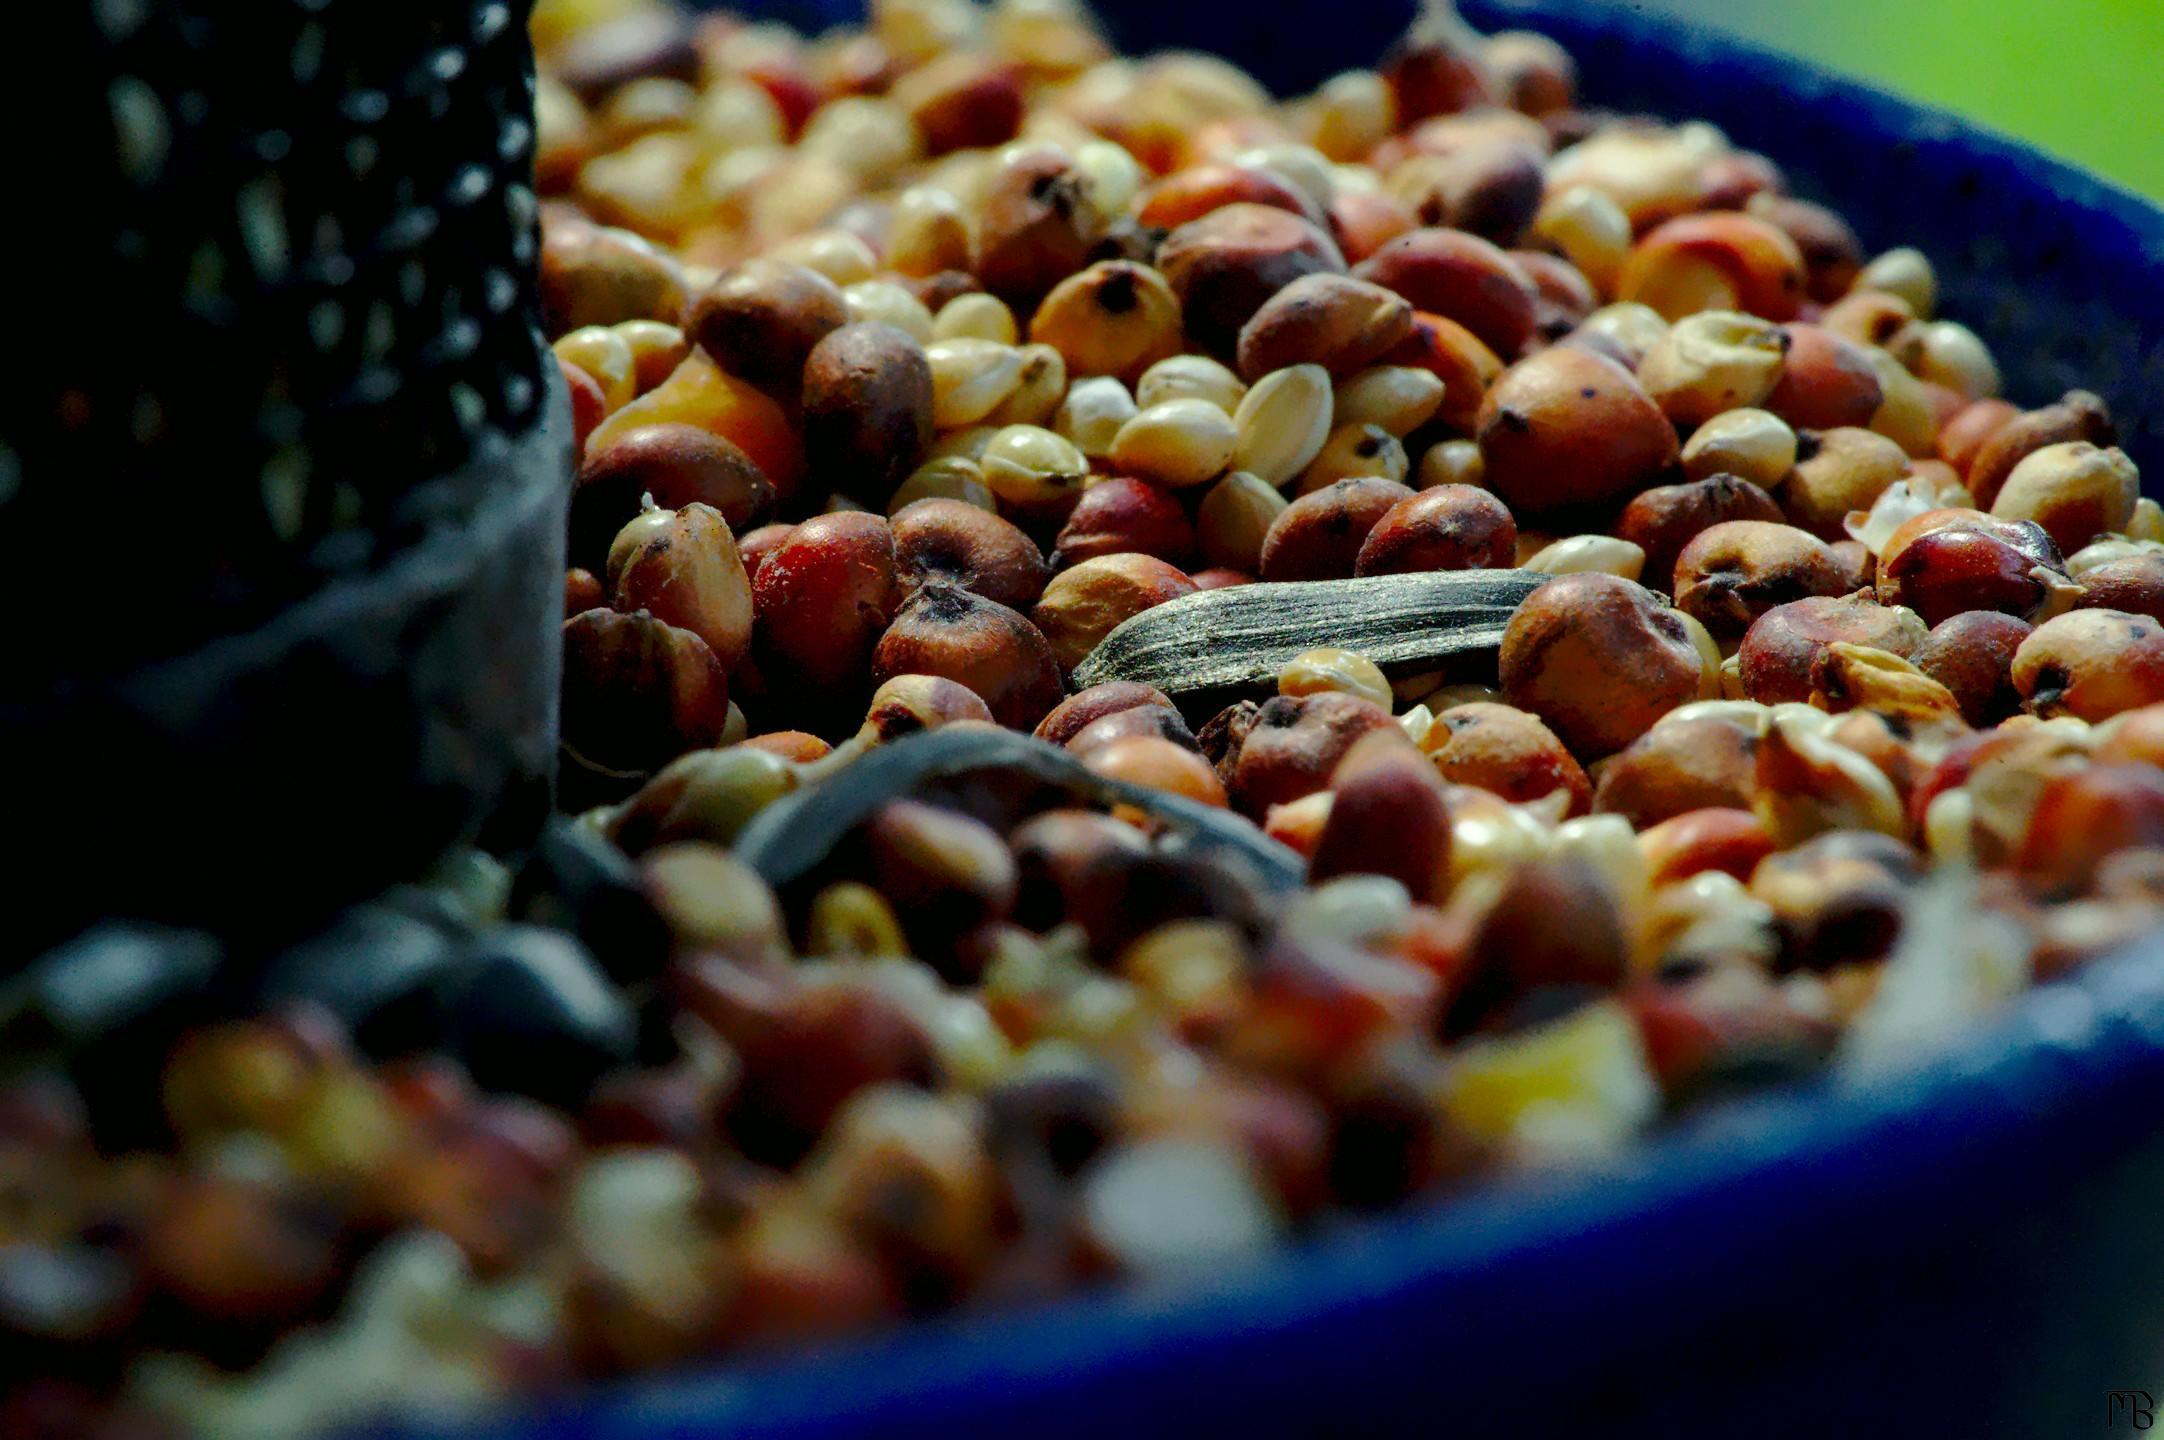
[{"x": 2084, "y": 78}]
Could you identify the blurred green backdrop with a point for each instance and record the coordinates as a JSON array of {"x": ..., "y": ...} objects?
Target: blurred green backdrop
[{"x": 2079, "y": 77}]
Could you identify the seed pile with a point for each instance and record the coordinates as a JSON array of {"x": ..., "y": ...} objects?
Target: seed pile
[{"x": 1528, "y": 629}]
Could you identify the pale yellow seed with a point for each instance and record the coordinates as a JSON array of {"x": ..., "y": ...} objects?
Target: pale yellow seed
[
  {"x": 976, "y": 316},
  {"x": 1303, "y": 167},
  {"x": 1445, "y": 697},
  {"x": 1111, "y": 177},
  {"x": 1093, "y": 412},
  {"x": 1635, "y": 327},
  {"x": 1175, "y": 443},
  {"x": 1400, "y": 398},
  {"x": 2148, "y": 521},
  {"x": 929, "y": 232},
  {"x": 607, "y": 356},
  {"x": 851, "y": 918},
  {"x": 1282, "y": 423},
  {"x": 1715, "y": 361},
  {"x": 1234, "y": 518},
  {"x": 1351, "y": 114},
  {"x": 836, "y": 254},
  {"x": 966, "y": 443},
  {"x": 1952, "y": 355},
  {"x": 1451, "y": 462},
  {"x": 655, "y": 345},
  {"x": 886, "y": 303},
  {"x": 970, "y": 377},
  {"x": 1028, "y": 465},
  {"x": 869, "y": 137},
  {"x": 1905, "y": 414},
  {"x": 1036, "y": 395},
  {"x": 1589, "y": 554},
  {"x": 1590, "y": 229},
  {"x": 1194, "y": 377},
  {"x": 1907, "y": 273},
  {"x": 736, "y": 115},
  {"x": 1753, "y": 445},
  {"x": 950, "y": 478},
  {"x": 1314, "y": 672},
  {"x": 1355, "y": 451}
]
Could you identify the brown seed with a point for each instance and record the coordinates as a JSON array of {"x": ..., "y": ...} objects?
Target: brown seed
[
  {"x": 1838, "y": 471},
  {"x": 956, "y": 542},
  {"x": 1461, "y": 277},
  {"x": 638, "y": 692},
  {"x": 1972, "y": 655},
  {"x": 1775, "y": 659},
  {"x": 1155, "y": 762},
  {"x": 1556, "y": 925},
  {"x": 1035, "y": 226},
  {"x": 1686, "y": 764},
  {"x": 1943, "y": 562},
  {"x": 2091, "y": 664},
  {"x": 1832, "y": 255},
  {"x": 1663, "y": 520},
  {"x": 2075, "y": 490},
  {"x": 582, "y": 591},
  {"x": 944, "y": 871},
  {"x": 1505, "y": 750},
  {"x": 1567, "y": 428},
  {"x": 1319, "y": 535},
  {"x": 760, "y": 543},
  {"x": 1388, "y": 816},
  {"x": 867, "y": 408},
  {"x": 2134, "y": 584},
  {"x": 1188, "y": 195},
  {"x": 1455, "y": 356},
  {"x": 1566, "y": 297},
  {"x": 1334, "y": 321},
  {"x": 1084, "y": 604},
  {"x": 1444, "y": 527},
  {"x": 1291, "y": 745},
  {"x": 1489, "y": 187},
  {"x": 685, "y": 570},
  {"x": 1079, "y": 711},
  {"x": 1224, "y": 266},
  {"x": 1599, "y": 658},
  {"x": 1875, "y": 318},
  {"x": 1826, "y": 382},
  {"x": 959, "y": 635},
  {"x": 1366, "y": 220},
  {"x": 1437, "y": 68},
  {"x": 2077, "y": 415},
  {"x": 678, "y": 465},
  {"x": 1969, "y": 428},
  {"x": 1158, "y": 722},
  {"x": 825, "y": 595},
  {"x": 908, "y": 704},
  {"x": 1530, "y": 72},
  {"x": 1838, "y": 898},
  {"x": 591, "y": 275},
  {"x": 1716, "y": 261},
  {"x": 1115, "y": 318},
  {"x": 962, "y": 102},
  {"x": 760, "y": 320},
  {"x": 1736, "y": 571},
  {"x": 1124, "y": 514}
]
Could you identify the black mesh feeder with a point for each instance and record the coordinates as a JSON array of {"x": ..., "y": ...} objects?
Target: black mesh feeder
[{"x": 283, "y": 485}]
